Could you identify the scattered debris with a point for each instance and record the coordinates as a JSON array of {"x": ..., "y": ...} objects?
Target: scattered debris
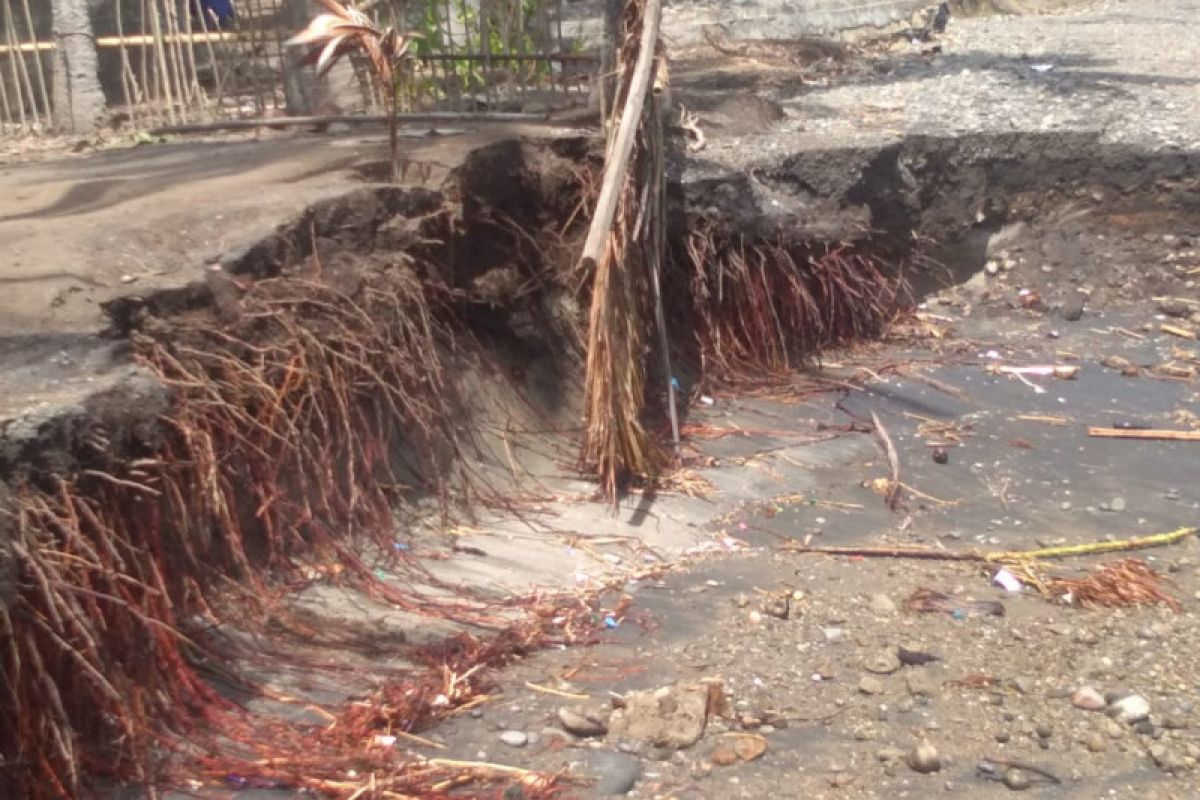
[
  {"x": 1007, "y": 581},
  {"x": 1021, "y": 373},
  {"x": 930, "y": 601},
  {"x": 940, "y": 456},
  {"x": 1175, "y": 330}
]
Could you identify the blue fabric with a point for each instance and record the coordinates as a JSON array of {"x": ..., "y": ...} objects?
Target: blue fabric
[{"x": 219, "y": 10}]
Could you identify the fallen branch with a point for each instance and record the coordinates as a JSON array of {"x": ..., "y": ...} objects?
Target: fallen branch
[
  {"x": 1007, "y": 556},
  {"x": 1160, "y": 434}
]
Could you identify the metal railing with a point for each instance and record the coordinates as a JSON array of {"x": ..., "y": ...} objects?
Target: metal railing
[{"x": 167, "y": 62}]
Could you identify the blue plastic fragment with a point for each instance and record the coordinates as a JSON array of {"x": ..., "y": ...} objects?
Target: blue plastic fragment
[
  {"x": 958, "y": 613},
  {"x": 610, "y": 621},
  {"x": 400, "y": 547},
  {"x": 675, "y": 383}
]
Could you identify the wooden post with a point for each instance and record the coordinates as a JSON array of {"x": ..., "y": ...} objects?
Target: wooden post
[
  {"x": 617, "y": 162},
  {"x": 78, "y": 97}
]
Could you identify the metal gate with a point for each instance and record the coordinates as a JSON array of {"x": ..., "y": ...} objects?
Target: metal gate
[{"x": 164, "y": 62}]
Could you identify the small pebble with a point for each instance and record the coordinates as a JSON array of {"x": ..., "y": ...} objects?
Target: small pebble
[
  {"x": 1088, "y": 699},
  {"x": 514, "y": 738},
  {"x": 1095, "y": 742},
  {"x": 1016, "y": 779},
  {"x": 1131, "y": 709},
  {"x": 883, "y": 606},
  {"x": 870, "y": 685},
  {"x": 1117, "y": 504},
  {"x": 883, "y": 662},
  {"x": 924, "y": 759}
]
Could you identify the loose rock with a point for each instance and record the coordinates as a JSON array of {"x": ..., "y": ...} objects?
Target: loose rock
[
  {"x": 615, "y": 773},
  {"x": 870, "y": 685},
  {"x": 920, "y": 684},
  {"x": 883, "y": 662},
  {"x": 882, "y": 605},
  {"x": 1131, "y": 709},
  {"x": 1088, "y": 699},
  {"x": 924, "y": 759},
  {"x": 514, "y": 738},
  {"x": 671, "y": 717},
  {"x": 581, "y": 723},
  {"x": 1016, "y": 779}
]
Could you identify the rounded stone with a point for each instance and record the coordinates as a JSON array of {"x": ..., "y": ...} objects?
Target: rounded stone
[
  {"x": 1016, "y": 779},
  {"x": 924, "y": 758},
  {"x": 514, "y": 738}
]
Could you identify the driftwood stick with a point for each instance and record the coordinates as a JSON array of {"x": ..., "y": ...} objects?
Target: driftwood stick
[
  {"x": 1163, "y": 434},
  {"x": 889, "y": 450},
  {"x": 617, "y": 163}
]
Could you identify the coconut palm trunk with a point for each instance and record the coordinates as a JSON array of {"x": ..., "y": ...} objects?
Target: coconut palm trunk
[{"x": 78, "y": 97}]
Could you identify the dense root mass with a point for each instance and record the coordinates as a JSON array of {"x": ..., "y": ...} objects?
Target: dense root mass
[
  {"x": 282, "y": 446},
  {"x": 767, "y": 308}
]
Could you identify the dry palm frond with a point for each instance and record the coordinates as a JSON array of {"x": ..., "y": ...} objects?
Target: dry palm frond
[
  {"x": 1129, "y": 582},
  {"x": 344, "y": 29}
]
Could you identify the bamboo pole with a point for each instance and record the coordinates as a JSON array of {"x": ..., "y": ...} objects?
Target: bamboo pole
[
  {"x": 37, "y": 60},
  {"x": 128, "y": 80},
  {"x": 14, "y": 68},
  {"x": 1159, "y": 434},
  {"x": 617, "y": 163},
  {"x": 6, "y": 114},
  {"x": 165, "y": 83}
]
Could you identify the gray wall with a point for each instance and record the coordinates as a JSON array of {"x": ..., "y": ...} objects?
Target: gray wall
[
  {"x": 781, "y": 19},
  {"x": 756, "y": 19}
]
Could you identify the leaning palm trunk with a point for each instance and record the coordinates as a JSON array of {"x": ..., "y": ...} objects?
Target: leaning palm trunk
[{"x": 620, "y": 245}]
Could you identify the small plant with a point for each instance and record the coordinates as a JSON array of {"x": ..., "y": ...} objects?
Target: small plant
[{"x": 345, "y": 29}]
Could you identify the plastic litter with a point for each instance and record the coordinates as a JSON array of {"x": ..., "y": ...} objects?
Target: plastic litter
[{"x": 1007, "y": 581}]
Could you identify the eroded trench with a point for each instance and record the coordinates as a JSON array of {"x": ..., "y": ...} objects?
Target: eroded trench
[{"x": 403, "y": 353}]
